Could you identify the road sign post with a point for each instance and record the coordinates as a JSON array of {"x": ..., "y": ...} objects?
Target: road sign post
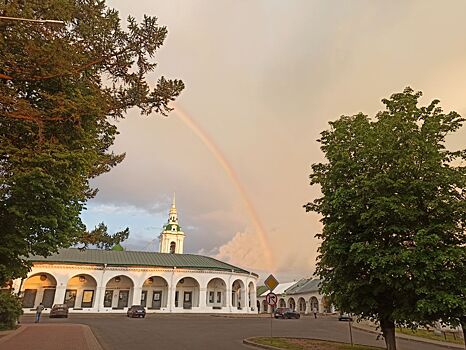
[{"x": 271, "y": 299}]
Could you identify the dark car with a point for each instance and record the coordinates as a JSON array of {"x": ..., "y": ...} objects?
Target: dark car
[
  {"x": 284, "y": 312},
  {"x": 345, "y": 317},
  {"x": 59, "y": 310},
  {"x": 136, "y": 311}
]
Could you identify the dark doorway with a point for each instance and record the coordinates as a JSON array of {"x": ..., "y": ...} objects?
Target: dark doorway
[
  {"x": 123, "y": 299},
  {"x": 108, "y": 298},
  {"x": 143, "y": 297},
  {"x": 157, "y": 300},
  {"x": 188, "y": 300},
  {"x": 49, "y": 296},
  {"x": 29, "y": 297},
  {"x": 70, "y": 297}
]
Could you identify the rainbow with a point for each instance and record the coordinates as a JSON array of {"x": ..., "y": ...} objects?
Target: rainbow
[{"x": 214, "y": 149}]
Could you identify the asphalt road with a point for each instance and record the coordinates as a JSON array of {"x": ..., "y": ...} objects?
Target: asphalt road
[{"x": 180, "y": 332}]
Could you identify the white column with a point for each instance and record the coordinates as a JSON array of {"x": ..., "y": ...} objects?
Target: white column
[
  {"x": 100, "y": 298},
  {"x": 228, "y": 297},
  {"x": 202, "y": 298},
  {"x": 59, "y": 295},
  {"x": 137, "y": 292},
  {"x": 246, "y": 299}
]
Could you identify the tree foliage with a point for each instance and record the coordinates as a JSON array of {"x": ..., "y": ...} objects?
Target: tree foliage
[
  {"x": 10, "y": 310},
  {"x": 60, "y": 87},
  {"x": 393, "y": 207}
]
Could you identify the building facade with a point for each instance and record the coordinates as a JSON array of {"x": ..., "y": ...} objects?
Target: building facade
[
  {"x": 302, "y": 296},
  {"x": 110, "y": 281}
]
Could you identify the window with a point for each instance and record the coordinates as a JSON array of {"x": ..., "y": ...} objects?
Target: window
[
  {"x": 172, "y": 247},
  {"x": 88, "y": 296},
  {"x": 219, "y": 297},
  {"x": 211, "y": 297}
]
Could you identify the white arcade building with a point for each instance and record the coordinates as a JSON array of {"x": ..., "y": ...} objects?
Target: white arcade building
[{"x": 107, "y": 281}]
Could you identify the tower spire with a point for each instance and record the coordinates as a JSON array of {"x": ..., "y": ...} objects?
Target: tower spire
[
  {"x": 171, "y": 239},
  {"x": 173, "y": 215}
]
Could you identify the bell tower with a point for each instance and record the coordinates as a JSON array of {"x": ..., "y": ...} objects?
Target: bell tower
[{"x": 172, "y": 238}]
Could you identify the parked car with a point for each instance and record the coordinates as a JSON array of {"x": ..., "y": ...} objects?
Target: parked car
[
  {"x": 59, "y": 310},
  {"x": 136, "y": 311},
  {"x": 284, "y": 312},
  {"x": 345, "y": 317}
]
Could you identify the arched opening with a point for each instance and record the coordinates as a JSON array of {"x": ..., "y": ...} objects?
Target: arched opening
[
  {"x": 216, "y": 293},
  {"x": 291, "y": 304},
  {"x": 238, "y": 295},
  {"x": 39, "y": 288},
  {"x": 118, "y": 292},
  {"x": 302, "y": 305},
  {"x": 314, "y": 303},
  {"x": 187, "y": 293},
  {"x": 172, "y": 247},
  {"x": 265, "y": 306},
  {"x": 281, "y": 302},
  {"x": 252, "y": 296},
  {"x": 154, "y": 293},
  {"x": 80, "y": 291}
]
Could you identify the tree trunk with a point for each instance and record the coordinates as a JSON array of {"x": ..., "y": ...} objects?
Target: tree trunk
[
  {"x": 388, "y": 330},
  {"x": 463, "y": 325}
]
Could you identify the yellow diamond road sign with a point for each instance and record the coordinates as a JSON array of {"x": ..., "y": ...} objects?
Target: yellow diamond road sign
[{"x": 271, "y": 282}]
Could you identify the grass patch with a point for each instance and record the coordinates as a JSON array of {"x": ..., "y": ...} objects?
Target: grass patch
[
  {"x": 308, "y": 344},
  {"x": 424, "y": 333}
]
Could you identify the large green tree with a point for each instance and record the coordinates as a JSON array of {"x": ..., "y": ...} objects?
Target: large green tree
[
  {"x": 61, "y": 85},
  {"x": 393, "y": 207}
]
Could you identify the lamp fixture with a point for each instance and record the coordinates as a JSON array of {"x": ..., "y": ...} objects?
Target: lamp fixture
[
  {"x": 82, "y": 279},
  {"x": 150, "y": 280},
  {"x": 43, "y": 277},
  {"x": 117, "y": 279}
]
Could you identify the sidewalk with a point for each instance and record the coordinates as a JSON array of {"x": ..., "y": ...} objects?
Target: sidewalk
[
  {"x": 50, "y": 337},
  {"x": 370, "y": 329}
]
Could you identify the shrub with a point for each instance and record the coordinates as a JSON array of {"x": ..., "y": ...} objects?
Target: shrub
[{"x": 10, "y": 310}]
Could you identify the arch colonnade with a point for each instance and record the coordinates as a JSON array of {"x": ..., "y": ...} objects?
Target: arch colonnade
[{"x": 114, "y": 289}]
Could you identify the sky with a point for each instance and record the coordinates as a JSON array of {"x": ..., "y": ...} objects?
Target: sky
[{"x": 263, "y": 79}]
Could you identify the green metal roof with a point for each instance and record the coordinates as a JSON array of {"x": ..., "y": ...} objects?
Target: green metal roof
[
  {"x": 261, "y": 289},
  {"x": 305, "y": 285},
  {"x": 135, "y": 258}
]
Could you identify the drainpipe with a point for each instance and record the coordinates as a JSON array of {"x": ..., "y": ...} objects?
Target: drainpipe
[{"x": 101, "y": 287}]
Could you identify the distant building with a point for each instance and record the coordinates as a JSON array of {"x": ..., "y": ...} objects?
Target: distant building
[
  {"x": 109, "y": 281},
  {"x": 302, "y": 296}
]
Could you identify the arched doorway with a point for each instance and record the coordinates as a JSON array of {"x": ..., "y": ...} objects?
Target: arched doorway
[
  {"x": 39, "y": 288},
  {"x": 216, "y": 293},
  {"x": 238, "y": 294},
  {"x": 302, "y": 305},
  {"x": 154, "y": 293},
  {"x": 281, "y": 302},
  {"x": 314, "y": 304},
  {"x": 251, "y": 296},
  {"x": 187, "y": 293},
  {"x": 291, "y": 304},
  {"x": 80, "y": 291},
  {"x": 118, "y": 292}
]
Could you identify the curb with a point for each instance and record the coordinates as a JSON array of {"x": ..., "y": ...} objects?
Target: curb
[
  {"x": 261, "y": 346},
  {"x": 413, "y": 338}
]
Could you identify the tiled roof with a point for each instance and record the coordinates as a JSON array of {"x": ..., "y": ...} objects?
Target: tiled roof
[{"x": 134, "y": 258}]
